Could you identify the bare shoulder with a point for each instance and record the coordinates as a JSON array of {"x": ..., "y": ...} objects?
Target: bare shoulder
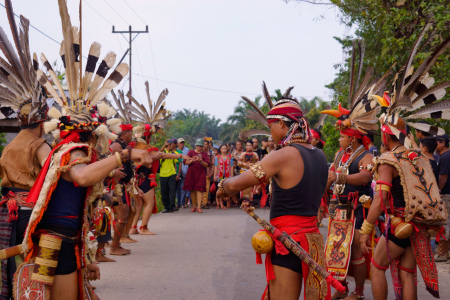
[
  {"x": 77, "y": 154},
  {"x": 367, "y": 159}
]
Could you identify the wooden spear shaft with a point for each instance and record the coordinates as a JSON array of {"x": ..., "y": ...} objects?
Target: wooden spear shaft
[{"x": 295, "y": 248}]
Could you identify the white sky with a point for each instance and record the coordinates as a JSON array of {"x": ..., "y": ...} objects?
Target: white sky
[{"x": 230, "y": 45}]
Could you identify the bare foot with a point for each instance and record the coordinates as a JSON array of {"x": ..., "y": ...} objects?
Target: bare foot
[
  {"x": 134, "y": 231},
  {"x": 118, "y": 250},
  {"x": 146, "y": 232},
  {"x": 354, "y": 296},
  {"x": 224, "y": 207},
  {"x": 127, "y": 240},
  {"x": 102, "y": 258},
  {"x": 338, "y": 295}
]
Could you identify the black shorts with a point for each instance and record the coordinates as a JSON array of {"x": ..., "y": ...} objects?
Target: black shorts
[
  {"x": 360, "y": 211},
  {"x": 67, "y": 260},
  {"x": 145, "y": 186},
  {"x": 289, "y": 261},
  {"x": 403, "y": 243}
]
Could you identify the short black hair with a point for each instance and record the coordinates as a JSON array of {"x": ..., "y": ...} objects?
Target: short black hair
[
  {"x": 430, "y": 143},
  {"x": 249, "y": 141},
  {"x": 370, "y": 136},
  {"x": 85, "y": 136}
]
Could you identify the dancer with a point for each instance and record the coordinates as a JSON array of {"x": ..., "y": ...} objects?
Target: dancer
[
  {"x": 351, "y": 173},
  {"x": 247, "y": 159},
  {"x": 223, "y": 169},
  {"x": 69, "y": 181},
  {"x": 406, "y": 188},
  {"x": 24, "y": 156},
  {"x": 148, "y": 124},
  {"x": 299, "y": 180}
]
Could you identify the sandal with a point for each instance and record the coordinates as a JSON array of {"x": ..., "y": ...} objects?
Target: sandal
[
  {"x": 193, "y": 209},
  {"x": 199, "y": 210}
]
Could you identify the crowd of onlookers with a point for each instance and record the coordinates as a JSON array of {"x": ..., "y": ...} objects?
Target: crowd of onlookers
[{"x": 193, "y": 183}]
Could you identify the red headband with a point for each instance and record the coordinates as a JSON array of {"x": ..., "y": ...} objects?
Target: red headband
[
  {"x": 289, "y": 110},
  {"x": 387, "y": 129},
  {"x": 316, "y": 135},
  {"x": 357, "y": 134},
  {"x": 147, "y": 130},
  {"x": 126, "y": 127}
]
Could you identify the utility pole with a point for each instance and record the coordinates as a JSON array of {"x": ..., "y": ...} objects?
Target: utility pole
[{"x": 130, "y": 40}]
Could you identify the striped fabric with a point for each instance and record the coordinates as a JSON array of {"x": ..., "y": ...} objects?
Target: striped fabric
[{"x": 5, "y": 235}]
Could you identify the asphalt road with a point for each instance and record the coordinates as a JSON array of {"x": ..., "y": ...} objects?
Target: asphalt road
[{"x": 202, "y": 256}]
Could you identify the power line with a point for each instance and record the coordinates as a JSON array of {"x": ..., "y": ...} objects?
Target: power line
[
  {"x": 34, "y": 27},
  {"x": 116, "y": 12},
  {"x": 150, "y": 43},
  {"x": 197, "y": 87},
  {"x": 97, "y": 12},
  {"x": 134, "y": 11},
  {"x": 139, "y": 59}
]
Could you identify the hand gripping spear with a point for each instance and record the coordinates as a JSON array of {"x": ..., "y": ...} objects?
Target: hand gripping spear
[{"x": 294, "y": 247}]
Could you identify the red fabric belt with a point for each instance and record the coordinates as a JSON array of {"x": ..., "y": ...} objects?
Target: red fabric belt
[
  {"x": 13, "y": 201},
  {"x": 295, "y": 226}
]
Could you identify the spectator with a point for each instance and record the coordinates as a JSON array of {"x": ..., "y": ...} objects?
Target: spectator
[
  {"x": 271, "y": 145},
  {"x": 255, "y": 144},
  {"x": 223, "y": 169},
  {"x": 168, "y": 177},
  {"x": 182, "y": 195},
  {"x": 265, "y": 146},
  {"x": 209, "y": 172},
  {"x": 444, "y": 186},
  {"x": 238, "y": 151},
  {"x": 196, "y": 175},
  {"x": 215, "y": 150},
  {"x": 372, "y": 148},
  {"x": 427, "y": 147}
]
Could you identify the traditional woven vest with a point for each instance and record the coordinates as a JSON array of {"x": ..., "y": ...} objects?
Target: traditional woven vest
[
  {"x": 421, "y": 192},
  {"x": 19, "y": 166}
]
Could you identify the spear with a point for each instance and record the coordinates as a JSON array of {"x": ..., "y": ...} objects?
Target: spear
[{"x": 294, "y": 247}]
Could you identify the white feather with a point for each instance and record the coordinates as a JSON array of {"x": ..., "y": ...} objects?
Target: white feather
[
  {"x": 103, "y": 109},
  {"x": 56, "y": 134},
  {"x": 54, "y": 113},
  {"x": 114, "y": 125},
  {"x": 51, "y": 125},
  {"x": 112, "y": 112}
]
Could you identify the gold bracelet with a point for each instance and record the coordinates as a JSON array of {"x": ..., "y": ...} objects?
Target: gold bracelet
[
  {"x": 119, "y": 159},
  {"x": 220, "y": 184},
  {"x": 383, "y": 187},
  {"x": 366, "y": 228},
  {"x": 111, "y": 174}
]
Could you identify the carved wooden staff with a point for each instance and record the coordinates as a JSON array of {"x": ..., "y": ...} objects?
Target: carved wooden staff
[{"x": 294, "y": 247}]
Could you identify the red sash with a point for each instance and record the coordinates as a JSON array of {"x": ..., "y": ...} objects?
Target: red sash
[{"x": 297, "y": 227}]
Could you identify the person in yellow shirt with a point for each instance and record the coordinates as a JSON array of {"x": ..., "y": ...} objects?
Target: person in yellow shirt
[{"x": 168, "y": 176}]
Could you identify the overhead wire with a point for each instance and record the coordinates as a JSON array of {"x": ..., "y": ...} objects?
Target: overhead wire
[
  {"x": 17, "y": 16},
  {"x": 149, "y": 77},
  {"x": 197, "y": 87},
  {"x": 150, "y": 43},
  {"x": 116, "y": 12}
]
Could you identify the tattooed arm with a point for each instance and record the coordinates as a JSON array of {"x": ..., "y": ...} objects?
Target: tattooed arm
[{"x": 87, "y": 175}]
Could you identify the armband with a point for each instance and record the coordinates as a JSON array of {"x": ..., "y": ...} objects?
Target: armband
[
  {"x": 383, "y": 186},
  {"x": 258, "y": 172},
  {"x": 368, "y": 168},
  {"x": 366, "y": 228}
]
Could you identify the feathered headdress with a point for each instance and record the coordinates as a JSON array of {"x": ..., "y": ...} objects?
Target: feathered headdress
[
  {"x": 147, "y": 122},
  {"x": 19, "y": 88},
  {"x": 256, "y": 114},
  {"x": 361, "y": 117},
  {"x": 84, "y": 92},
  {"x": 415, "y": 96}
]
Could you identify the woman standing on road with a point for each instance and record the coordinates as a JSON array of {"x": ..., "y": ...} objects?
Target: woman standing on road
[{"x": 196, "y": 176}]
